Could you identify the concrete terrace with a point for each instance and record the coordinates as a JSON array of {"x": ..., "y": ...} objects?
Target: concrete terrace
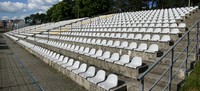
[{"x": 22, "y": 71}]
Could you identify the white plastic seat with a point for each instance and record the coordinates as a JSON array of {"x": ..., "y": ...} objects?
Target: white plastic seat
[
  {"x": 114, "y": 57},
  {"x": 74, "y": 66},
  {"x": 138, "y": 36},
  {"x": 118, "y": 35},
  {"x": 109, "y": 43},
  {"x": 136, "y": 30},
  {"x": 157, "y": 30},
  {"x": 135, "y": 62},
  {"x": 103, "y": 42},
  {"x": 110, "y": 82},
  {"x": 130, "y": 36},
  {"x": 99, "y": 77},
  {"x": 105, "y": 55},
  {"x": 65, "y": 60},
  {"x": 166, "y": 30},
  {"x": 165, "y": 38},
  {"x": 69, "y": 63},
  {"x": 89, "y": 73},
  {"x": 142, "y": 30},
  {"x": 155, "y": 37},
  {"x": 123, "y": 44},
  {"x": 131, "y": 46},
  {"x": 146, "y": 37},
  {"x": 59, "y": 59},
  {"x": 86, "y": 50},
  {"x": 115, "y": 44},
  {"x": 174, "y": 31},
  {"x": 98, "y": 53},
  {"x": 182, "y": 25},
  {"x": 123, "y": 60},
  {"x": 92, "y": 52},
  {"x": 141, "y": 47},
  {"x": 149, "y": 30},
  {"x": 81, "y": 69},
  {"x": 152, "y": 48},
  {"x": 124, "y": 35}
]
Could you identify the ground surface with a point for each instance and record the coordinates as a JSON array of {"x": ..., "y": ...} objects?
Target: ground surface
[{"x": 22, "y": 71}]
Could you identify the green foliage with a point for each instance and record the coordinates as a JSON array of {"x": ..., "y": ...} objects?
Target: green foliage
[{"x": 192, "y": 82}]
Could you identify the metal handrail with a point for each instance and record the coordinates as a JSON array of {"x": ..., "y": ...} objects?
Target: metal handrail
[{"x": 141, "y": 77}]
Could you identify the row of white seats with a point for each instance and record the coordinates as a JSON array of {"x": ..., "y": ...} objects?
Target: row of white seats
[
  {"x": 98, "y": 78},
  {"x": 145, "y": 25},
  {"x": 137, "y": 37},
  {"x": 105, "y": 56},
  {"x": 131, "y": 30}
]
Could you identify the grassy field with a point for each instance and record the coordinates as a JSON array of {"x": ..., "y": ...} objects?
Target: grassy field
[{"x": 192, "y": 83}]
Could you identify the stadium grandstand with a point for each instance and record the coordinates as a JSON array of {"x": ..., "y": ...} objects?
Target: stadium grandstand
[{"x": 148, "y": 50}]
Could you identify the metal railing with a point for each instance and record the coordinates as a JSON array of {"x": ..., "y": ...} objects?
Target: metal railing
[{"x": 173, "y": 59}]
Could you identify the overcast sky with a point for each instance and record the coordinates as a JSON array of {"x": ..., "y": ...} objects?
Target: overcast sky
[{"x": 14, "y": 9}]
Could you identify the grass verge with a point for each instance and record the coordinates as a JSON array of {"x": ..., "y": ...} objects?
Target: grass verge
[{"x": 192, "y": 82}]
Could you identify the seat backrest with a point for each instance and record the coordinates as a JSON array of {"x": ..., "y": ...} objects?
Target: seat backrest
[
  {"x": 166, "y": 30},
  {"x": 99, "y": 53},
  {"x": 76, "y": 64},
  {"x": 112, "y": 35},
  {"x": 65, "y": 60},
  {"x": 91, "y": 70},
  {"x": 81, "y": 48},
  {"x": 142, "y": 46},
  {"x": 149, "y": 30},
  {"x": 138, "y": 36},
  {"x": 124, "y": 35},
  {"x": 72, "y": 47},
  {"x": 125, "y": 58},
  {"x": 131, "y": 36},
  {"x": 136, "y": 61},
  {"x": 142, "y": 30},
  {"x": 106, "y": 54},
  {"x": 98, "y": 41},
  {"x": 110, "y": 42},
  {"x": 133, "y": 45},
  {"x": 130, "y": 29},
  {"x": 155, "y": 37},
  {"x": 153, "y": 47},
  {"x": 70, "y": 62},
  {"x": 76, "y": 48},
  {"x": 115, "y": 56},
  {"x": 57, "y": 56},
  {"x": 174, "y": 31},
  {"x": 146, "y": 37},
  {"x": 124, "y": 44},
  {"x": 93, "y": 40},
  {"x": 87, "y": 49},
  {"x": 101, "y": 74},
  {"x": 92, "y": 51},
  {"x": 157, "y": 30},
  {"x": 103, "y": 42},
  {"x": 83, "y": 67},
  {"x": 118, "y": 35},
  {"x": 112, "y": 79},
  {"x": 136, "y": 30},
  {"x": 53, "y": 55},
  {"x": 165, "y": 38},
  {"x": 116, "y": 43},
  {"x": 88, "y": 40}
]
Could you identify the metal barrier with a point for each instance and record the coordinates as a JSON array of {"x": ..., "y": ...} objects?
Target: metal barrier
[{"x": 169, "y": 71}]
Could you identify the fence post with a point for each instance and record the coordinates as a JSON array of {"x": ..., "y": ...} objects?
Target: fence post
[
  {"x": 171, "y": 69},
  {"x": 197, "y": 42},
  {"x": 187, "y": 50},
  {"x": 142, "y": 84}
]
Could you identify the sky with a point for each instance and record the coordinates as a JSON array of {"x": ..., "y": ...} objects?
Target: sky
[{"x": 18, "y": 9}]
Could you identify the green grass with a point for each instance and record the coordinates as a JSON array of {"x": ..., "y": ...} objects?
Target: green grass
[{"x": 192, "y": 82}]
